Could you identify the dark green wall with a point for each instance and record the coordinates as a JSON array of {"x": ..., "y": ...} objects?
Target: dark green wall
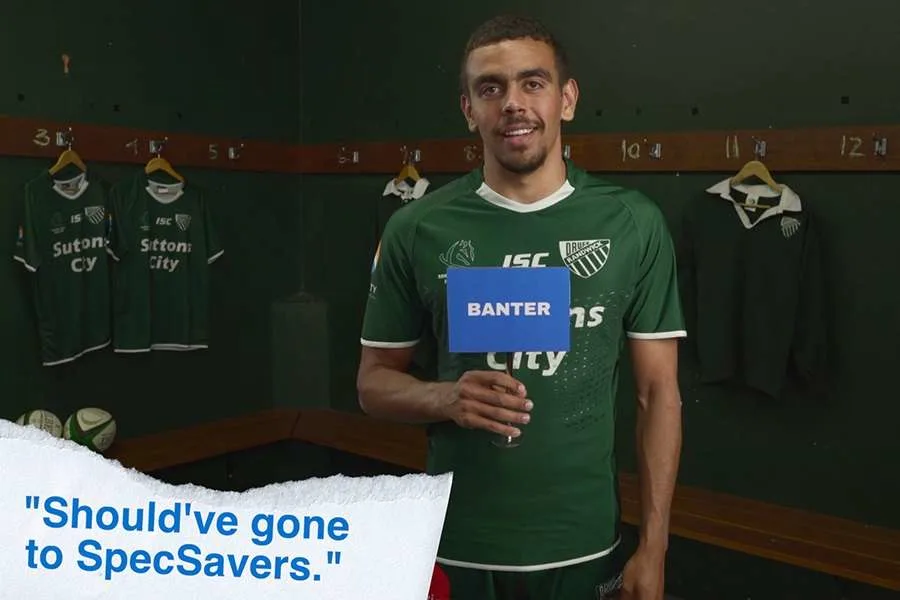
[
  {"x": 222, "y": 68},
  {"x": 390, "y": 73}
]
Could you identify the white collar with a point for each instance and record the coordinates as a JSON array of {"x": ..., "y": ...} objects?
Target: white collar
[
  {"x": 497, "y": 199},
  {"x": 165, "y": 193},
  {"x": 789, "y": 200},
  {"x": 71, "y": 188},
  {"x": 404, "y": 190}
]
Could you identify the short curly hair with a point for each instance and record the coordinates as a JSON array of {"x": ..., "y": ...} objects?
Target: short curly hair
[{"x": 513, "y": 27}]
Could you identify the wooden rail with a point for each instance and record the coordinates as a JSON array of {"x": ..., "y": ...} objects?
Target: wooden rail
[
  {"x": 823, "y": 543},
  {"x": 862, "y": 147},
  {"x": 207, "y": 440}
]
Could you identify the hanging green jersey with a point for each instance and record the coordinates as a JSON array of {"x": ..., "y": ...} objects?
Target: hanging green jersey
[
  {"x": 753, "y": 279},
  {"x": 62, "y": 240},
  {"x": 553, "y": 499},
  {"x": 163, "y": 241}
]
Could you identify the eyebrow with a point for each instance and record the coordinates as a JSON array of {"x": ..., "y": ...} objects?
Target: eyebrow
[{"x": 524, "y": 74}]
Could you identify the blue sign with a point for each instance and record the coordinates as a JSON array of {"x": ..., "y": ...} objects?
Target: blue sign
[{"x": 508, "y": 309}]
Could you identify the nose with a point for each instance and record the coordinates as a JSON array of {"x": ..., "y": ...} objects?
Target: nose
[{"x": 514, "y": 101}]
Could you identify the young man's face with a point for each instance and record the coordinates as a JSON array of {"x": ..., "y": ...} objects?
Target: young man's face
[{"x": 516, "y": 103}]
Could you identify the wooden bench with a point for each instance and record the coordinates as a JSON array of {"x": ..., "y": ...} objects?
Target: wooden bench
[{"x": 840, "y": 547}]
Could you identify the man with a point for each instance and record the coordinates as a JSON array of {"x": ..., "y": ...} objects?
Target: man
[{"x": 539, "y": 521}]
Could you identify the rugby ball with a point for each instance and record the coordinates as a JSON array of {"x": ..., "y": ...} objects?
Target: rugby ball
[
  {"x": 42, "y": 419},
  {"x": 91, "y": 427}
]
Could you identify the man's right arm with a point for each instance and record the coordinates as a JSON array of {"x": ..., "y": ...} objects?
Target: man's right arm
[
  {"x": 489, "y": 400},
  {"x": 387, "y": 391},
  {"x": 392, "y": 325}
]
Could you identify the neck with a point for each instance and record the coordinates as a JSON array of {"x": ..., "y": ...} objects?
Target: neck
[{"x": 526, "y": 188}]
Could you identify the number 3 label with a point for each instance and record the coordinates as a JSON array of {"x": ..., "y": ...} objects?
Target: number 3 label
[{"x": 41, "y": 138}]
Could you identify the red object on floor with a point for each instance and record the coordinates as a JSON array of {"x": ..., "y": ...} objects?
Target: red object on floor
[{"x": 440, "y": 585}]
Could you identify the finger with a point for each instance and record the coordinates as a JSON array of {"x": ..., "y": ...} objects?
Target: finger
[
  {"x": 498, "y": 413},
  {"x": 496, "y": 397},
  {"x": 500, "y": 379},
  {"x": 476, "y": 421}
]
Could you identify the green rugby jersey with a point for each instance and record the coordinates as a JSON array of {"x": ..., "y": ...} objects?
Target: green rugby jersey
[
  {"x": 163, "y": 241},
  {"x": 553, "y": 499},
  {"x": 753, "y": 282},
  {"x": 62, "y": 239}
]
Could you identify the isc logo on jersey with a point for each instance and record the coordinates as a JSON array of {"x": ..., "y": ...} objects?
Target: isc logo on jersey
[{"x": 529, "y": 259}]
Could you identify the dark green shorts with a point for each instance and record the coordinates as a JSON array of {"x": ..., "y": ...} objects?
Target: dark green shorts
[{"x": 598, "y": 579}]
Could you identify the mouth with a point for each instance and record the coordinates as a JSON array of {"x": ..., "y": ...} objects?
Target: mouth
[{"x": 514, "y": 132}]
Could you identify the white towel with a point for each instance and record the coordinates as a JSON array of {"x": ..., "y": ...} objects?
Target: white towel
[{"x": 380, "y": 533}]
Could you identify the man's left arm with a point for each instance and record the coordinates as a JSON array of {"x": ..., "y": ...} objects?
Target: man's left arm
[
  {"x": 658, "y": 437},
  {"x": 654, "y": 323}
]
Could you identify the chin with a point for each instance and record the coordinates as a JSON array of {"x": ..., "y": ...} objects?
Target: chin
[{"x": 522, "y": 165}]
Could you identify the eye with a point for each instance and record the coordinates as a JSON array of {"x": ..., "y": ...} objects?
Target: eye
[
  {"x": 534, "y": 84},
  {"x": 488, "y": 90}
]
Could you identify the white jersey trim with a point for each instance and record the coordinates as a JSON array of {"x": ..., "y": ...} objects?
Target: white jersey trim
[
  {"x": 788, "y": 200},
  {"x": 659, "y": 335},
  {"x": 176, "y": 189},
  {"x": 24, "y": 262},
  {"x": 527, "y": 568},
  {"x": 377, "y": 344},
  {"x": 502, "y": 201},
  {"x": 212, "y": 258},
  {"x": 80, "y": 182},
  {"x": 61, "y": 361},
  {"x": 181, "y": 347}
]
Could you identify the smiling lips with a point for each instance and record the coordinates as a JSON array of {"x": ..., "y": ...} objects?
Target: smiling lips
[
  {"x": 518, "y": 132},
  {"x": 518, "y": 136}
]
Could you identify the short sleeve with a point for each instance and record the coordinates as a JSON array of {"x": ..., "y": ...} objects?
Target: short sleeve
[
  {"x": 26, "y": 250},
  {"x": 394, "y": 314},
  {"x": 655, "y": 311},
  {"x": 214, "y": 248}
]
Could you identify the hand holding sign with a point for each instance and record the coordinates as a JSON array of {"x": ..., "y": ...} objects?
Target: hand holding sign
[
  {"x": 500, "y": 309},
  {"x": 489, "y": 400}
]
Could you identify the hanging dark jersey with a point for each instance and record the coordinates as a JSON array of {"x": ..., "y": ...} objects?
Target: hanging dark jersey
[
  {"x": 62, "y": 239},
  {"x": 753, "y": 287},
  {"x": 163, "y": 241}
]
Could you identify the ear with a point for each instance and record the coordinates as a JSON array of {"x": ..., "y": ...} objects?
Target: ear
[
  {"x": 465, "y": 105},
  {"x": 569, "y": 99}
]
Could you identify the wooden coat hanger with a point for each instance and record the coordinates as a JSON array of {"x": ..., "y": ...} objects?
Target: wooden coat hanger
[
  {"x": 68, "y": 156},
  {"x": 755, "y": 168},
  {"x": 160, "y": 164}
]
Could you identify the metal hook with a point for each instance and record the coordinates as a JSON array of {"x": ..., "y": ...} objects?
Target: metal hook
[
  {"x": 65, "y": 138},
  {"x": 156, "y": 146},
  {"x": 410, "y": 157},
  {"x": 759, "y": 148},
  {"x": 344, "y": 158},
  {"x": 655, "y": 151},
  {"x": 234, "y": 153},
  {"x": 880, "y": 145}
]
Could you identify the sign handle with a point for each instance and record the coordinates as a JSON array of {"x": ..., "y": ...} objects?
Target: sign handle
[{"x": 506, "y": 441}]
